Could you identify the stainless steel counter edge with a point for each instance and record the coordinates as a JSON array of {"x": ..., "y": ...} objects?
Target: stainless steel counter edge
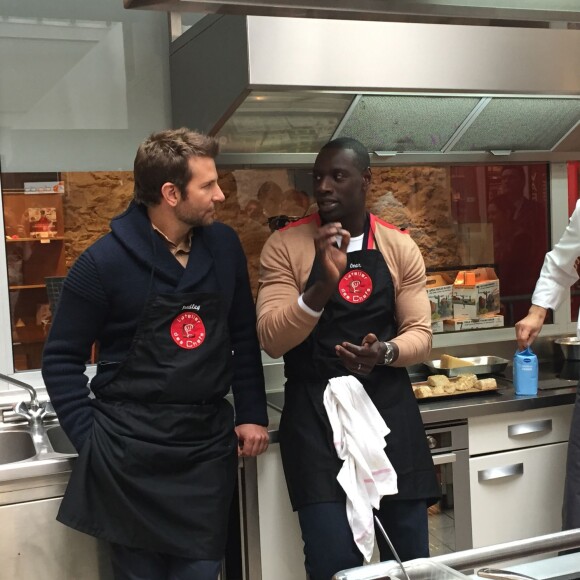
[
  {"x": 34, "y": 467},
  {"x": 466, "y": 406}
]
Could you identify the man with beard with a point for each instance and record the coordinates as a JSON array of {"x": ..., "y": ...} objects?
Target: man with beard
[
  {"x": 343, "y": 293},
  {"x": 166, "y": 296}
]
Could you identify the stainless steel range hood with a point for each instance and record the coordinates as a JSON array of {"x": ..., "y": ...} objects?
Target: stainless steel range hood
[
  {"x": 275, "y": 89},
  {"x": 479, "y": 12}
]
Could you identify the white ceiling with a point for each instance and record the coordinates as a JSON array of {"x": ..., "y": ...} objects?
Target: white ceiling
[{"x": 50, "y": 70}]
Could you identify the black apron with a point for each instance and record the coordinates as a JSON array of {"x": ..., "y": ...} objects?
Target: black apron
[
  {"x": 363, "y": 303},
  {"x": 158, "y": 469}
]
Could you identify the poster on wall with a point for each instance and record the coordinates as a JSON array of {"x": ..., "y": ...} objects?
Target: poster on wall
[{"x": 42, "y": 221}]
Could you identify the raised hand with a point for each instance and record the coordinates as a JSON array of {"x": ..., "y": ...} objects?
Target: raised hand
[
  {"x": 331, "y": 258},
  {"x": 332, "y": 261}
]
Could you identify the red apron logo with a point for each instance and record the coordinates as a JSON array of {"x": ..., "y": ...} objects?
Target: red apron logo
[
  {"x": 188, "y": 330},
  {"x": 355, "y": 286}
]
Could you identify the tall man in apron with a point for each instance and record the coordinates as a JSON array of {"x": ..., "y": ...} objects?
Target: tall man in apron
[
  {"x": 343, "y": 293},
  {"x": 167, "y": 298}
]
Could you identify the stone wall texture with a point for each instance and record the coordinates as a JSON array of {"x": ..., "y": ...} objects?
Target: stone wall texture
[
  {"x": 415, "y": 198},
  {"x": 91, "y": 199}
]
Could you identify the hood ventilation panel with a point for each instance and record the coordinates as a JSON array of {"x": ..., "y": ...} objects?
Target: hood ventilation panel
[
  {"x": 293, "y": 122},
  {"x": 516, "y": 124},
  {"x": 407, "y": 123}
]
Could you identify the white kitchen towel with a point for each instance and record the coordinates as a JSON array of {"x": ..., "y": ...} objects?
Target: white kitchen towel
[{"x": 359, "y": 438}]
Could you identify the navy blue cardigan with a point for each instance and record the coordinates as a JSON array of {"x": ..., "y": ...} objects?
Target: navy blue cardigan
[{"x": 103, "y": 297}]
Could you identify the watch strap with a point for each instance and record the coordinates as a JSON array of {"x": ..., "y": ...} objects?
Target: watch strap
[{"x": 389, "y": 354}]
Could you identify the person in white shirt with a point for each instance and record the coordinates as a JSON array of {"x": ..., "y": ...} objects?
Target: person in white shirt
[{"x": 557, "y": 275}]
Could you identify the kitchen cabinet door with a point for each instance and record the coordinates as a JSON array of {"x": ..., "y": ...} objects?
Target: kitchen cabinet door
[
  {"x": 34, "y": 545},
  {"x": 517, "y": 494},
  {"x": 281, "y": 547}
]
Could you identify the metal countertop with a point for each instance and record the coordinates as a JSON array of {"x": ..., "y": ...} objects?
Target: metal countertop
[{"x": 458, "y": 407}]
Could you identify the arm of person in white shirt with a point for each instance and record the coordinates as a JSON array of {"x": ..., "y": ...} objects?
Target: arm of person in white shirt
[{"x": 557, "y": 275}]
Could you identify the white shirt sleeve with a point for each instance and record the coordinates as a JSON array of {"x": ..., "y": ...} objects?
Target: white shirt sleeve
[
  {"x": 307, "y": 308},
  {"x": 558, "y": 272},
  {"x": 354, "y": 245}
]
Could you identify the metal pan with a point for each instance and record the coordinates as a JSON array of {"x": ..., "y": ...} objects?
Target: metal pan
[{"x": 482, "y": 365}]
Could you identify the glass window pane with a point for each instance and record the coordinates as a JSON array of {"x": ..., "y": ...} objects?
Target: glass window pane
[
  {"x": 462, "y": 217},
  {"x": 82, "y": 84},
  {"x": 511, "y": 204}
]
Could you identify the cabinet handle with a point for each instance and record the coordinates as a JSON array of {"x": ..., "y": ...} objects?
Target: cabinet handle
[
  {"x": 532, "y": 427},
  {"x": 499, "y": 472},
  {"x": 444, "y": 458}
]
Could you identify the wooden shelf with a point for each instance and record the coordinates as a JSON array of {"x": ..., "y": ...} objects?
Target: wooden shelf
[
  {"x": 44, "y": 240},
  {"x": 37, "y": 258},
  {"x": 30, "y": 334},
  {"x": 26, "y": 286},
  {"x": 30, "y": 193}
]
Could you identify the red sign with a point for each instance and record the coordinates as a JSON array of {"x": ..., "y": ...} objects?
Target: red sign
[
  {"x": 355, "y": 286},
  {"x": 188, "y": 330}
]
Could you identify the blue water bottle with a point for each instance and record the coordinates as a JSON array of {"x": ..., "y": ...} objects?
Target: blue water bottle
[{"x": 526, "y": 372}]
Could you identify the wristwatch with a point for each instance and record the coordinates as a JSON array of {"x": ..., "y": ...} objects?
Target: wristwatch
[{"x": 389, "y": 354}]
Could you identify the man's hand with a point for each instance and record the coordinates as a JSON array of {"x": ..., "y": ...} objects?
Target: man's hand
[
  {"x": 252, "y": 439},
  {"x": 361, "y": 360},
  {"x": 332, "y": 261},
  {"x": 529, "y": 327}
]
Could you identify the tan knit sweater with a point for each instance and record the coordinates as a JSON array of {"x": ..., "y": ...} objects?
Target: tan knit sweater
[{"x": 285, "y": 265}]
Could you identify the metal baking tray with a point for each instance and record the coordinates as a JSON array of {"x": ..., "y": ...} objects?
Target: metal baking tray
[
  {"x": 482, "y": 365},
  {"x": 454, "y": 395}
]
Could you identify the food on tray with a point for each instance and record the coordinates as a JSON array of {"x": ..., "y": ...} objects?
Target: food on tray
[
  {"x": 422, "y": 392},
  {"x": 465, "y": 382},
  {"x": 486, "y": 384},
  {"x": 437, "y": 381},
  {"x": 442, "y": 386},
  {"x": 449, "y": 389},
  {"x": 452, "y": 362},
  {"x": 461, "y": 386}
]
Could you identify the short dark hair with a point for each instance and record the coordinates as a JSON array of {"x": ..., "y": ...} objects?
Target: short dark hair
[
  {"x": 517, "y": 169},
  {"x": 363, "y": 160},
  {"x": 164, "y": 157}
]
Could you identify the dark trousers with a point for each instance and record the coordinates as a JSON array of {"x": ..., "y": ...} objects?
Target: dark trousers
[
  {"x": 329, "y": 546},
  {"x": 134, "y": 564}
]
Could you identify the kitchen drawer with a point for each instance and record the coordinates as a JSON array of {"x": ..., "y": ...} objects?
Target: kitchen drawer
[
  {"x": 517, "y": 494},
  {"x": 505, "y": 431}
]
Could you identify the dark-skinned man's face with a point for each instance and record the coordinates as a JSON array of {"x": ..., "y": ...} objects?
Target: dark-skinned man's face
[{"x": 339, "y": 185}]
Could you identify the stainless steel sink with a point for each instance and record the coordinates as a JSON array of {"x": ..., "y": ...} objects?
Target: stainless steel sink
[
  {"x": 59, "y": 441},
  {"x": 16, "y": 446}
]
